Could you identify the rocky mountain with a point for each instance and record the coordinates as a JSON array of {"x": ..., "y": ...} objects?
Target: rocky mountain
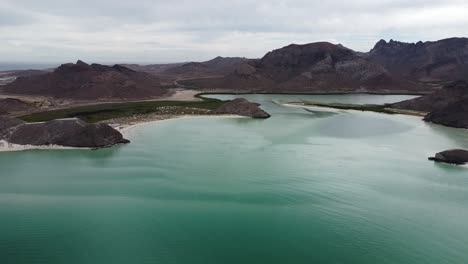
[
  {"x": 433, "y": 61},
  {"x": 64, "y": 132},
  {"x": 448, "y": 106},
  {"x": 316, "y": 67},
  {"x": 82, "y": 81}
]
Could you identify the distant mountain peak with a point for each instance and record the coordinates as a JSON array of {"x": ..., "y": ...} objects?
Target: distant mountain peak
[
  {"x": 431, "y": 61},
  {"x": 80, "y": 62}
]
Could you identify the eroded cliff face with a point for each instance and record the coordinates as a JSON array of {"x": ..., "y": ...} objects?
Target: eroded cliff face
[{"x": 63, "y": 132}]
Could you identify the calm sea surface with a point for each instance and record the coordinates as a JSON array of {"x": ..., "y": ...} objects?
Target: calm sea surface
[{"x": 300, "y": 187}]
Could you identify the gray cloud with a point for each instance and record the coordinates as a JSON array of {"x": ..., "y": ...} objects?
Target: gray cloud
[{"x": 164, "y": 31}]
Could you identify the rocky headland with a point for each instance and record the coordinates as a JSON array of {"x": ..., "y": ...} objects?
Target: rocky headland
[
  {"x": 242, "y": 107},
  {"x": 63, "y": 132},
  {"x": 448, "y": 106}
]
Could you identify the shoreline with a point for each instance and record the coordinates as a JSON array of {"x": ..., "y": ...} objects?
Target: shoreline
[{"x": 125, "y": 126}]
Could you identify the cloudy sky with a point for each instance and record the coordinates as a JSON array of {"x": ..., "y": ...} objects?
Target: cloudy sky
[{"x": 152, "y": 31}]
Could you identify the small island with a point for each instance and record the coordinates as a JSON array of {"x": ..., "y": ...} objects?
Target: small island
[{"x": 454, "y": 156}]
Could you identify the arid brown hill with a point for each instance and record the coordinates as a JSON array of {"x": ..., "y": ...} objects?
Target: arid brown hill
[
  {"x": 433, "y": 61},
  {"x": 316, "y": 67},
  {"x": 84, "y": 81}
]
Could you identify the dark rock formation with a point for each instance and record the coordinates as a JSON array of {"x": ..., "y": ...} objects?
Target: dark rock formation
[
  {"x": 11, "y": 105},
  {"x": 316, "y": 67},
  {"x": 453, "y": 115},
  {"x": 454, "y": 156},
  {"x": 95, "y": 81},
  {"x": 63, "y": 132},
  {"x": 443, "y": 60},
  {"x": 437, "y": 100},
  {"x": 448, "y": 106},
  {"x": 241, "y": 106}
]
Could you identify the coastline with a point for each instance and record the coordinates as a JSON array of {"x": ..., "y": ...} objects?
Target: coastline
[
  {"x": 127, "y": 125},
  {"x": 124, "y": 125}
]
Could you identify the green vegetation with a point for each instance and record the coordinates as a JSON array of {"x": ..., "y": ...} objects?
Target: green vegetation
[{"x": 106, "y": 111}]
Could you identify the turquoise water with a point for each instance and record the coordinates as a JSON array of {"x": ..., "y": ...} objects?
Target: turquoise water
[{"x": 300, "y": 187}]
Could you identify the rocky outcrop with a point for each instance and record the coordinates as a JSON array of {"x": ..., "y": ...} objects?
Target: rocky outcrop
[
  {"x": 62, "y": 132},
  {"x": 241, "y": 106},
  {"x": 448, "y": 106},
  {"x": 315, "y": 67},
  {"x": 432, "y": 61},
  {"x": 454, "y": 156},
  {"x": 442, "y": 98},
  {"x": 82, "y": 81},
  {"x": 453, "y": 115},
  {"x": 12, "y": 105}
]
